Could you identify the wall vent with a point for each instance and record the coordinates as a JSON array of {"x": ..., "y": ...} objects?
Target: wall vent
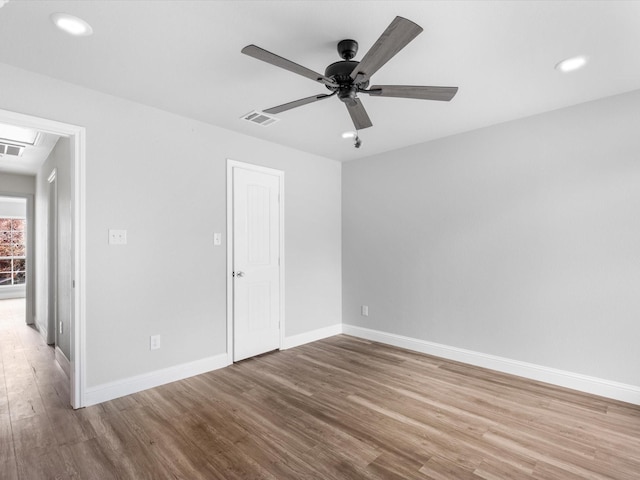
[
  {"x": 9, "y": 149},
  {"x": 260, "y": 118}
]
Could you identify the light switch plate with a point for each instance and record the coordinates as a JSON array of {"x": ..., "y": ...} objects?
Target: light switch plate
[
  {"x": 154, "y": 342},
  {"x": 117, "y": 237},
  {"x": 217, "y": 239}
]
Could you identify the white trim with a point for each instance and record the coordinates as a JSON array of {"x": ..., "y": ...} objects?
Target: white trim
[
  {"x": 78, "y": 334},
  {"x": 63, "y": 361},
  {"x": 30, "y": 293},
  {"x": 127, "y": 386},
  {"x": 11, "y": 198},
  {"x": 77, "y": 138},
  {"x": 13, "y": 291},
  {"x": 312, "y": 336},
  {"x": 229, "y": 262},
  {"x": 53, "y": 326},
  {"x": 231, "y": 164},
  {"x": 42, "y": 329},
  {"x": 575, "y": 381}
]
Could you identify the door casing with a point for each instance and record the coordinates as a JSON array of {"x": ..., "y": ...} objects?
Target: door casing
[
  {"x": 77, "y": 140},
  {"x": 52, "y": 260}
]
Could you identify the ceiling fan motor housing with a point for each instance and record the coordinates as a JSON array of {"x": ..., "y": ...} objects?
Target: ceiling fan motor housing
[{"x": 340, "y": 72}]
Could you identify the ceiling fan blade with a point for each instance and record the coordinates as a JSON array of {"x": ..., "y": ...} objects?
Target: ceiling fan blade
[
  {"x": 273, "y": 59},
  {"x": 443, "y": 94},
  {"x": 358, "y": 114},
  {"x": 397, "y": 35},
  {"x": 297, "y": 103}
]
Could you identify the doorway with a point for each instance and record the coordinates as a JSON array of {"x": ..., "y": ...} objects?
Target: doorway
[
  {"x": 76, "y": 265},
  {"x": 255, "y": 260}
]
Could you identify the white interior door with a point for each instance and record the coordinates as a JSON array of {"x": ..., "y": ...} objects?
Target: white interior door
[{"x": 256, "y": 262}]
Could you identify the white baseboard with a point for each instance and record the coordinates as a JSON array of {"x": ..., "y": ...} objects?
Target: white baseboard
[
  {"x": 13, "y": 291},
  {"x": 575, "y": 381},
  {"x": 127, "y": 386},
  {"x": 42, "y": 330},
  {"x": 63, "y": 361},
  {"x": 312, "y": 336}
]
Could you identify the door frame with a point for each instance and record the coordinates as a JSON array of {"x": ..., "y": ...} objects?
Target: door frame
[
  {"x": 231, "y": 164},
  {"x": 77, "y": 140},
  {"x": 52, "y": 258}
]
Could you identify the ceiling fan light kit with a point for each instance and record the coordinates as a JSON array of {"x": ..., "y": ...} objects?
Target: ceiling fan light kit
[{"x": 347, "y": 78}]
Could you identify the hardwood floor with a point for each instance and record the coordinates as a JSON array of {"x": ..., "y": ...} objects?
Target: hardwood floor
[{"x": 340, "y": 408}]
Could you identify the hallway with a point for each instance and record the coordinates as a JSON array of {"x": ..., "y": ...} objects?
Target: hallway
[{"x": 34, "y": 392}]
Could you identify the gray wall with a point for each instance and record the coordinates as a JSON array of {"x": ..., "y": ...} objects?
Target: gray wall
[
  {"x": 521, "y": 240},
  {"x": 162, "y": 177},
  {"x": 60, "y": 160},
  {"x": 21, "y": 184}
]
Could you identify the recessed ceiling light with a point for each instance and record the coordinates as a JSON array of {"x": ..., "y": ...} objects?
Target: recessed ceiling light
[
  {"x": 572, "y": 64},
  {"x": 71, "y": 25},
  {"x": 349, "y": 135}
]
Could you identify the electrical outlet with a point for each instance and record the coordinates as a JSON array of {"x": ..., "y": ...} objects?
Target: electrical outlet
[
  {"x": 364, "y": 310},
  {"x": 117, "y": 237},
  {"x": 154, "y": 342}
]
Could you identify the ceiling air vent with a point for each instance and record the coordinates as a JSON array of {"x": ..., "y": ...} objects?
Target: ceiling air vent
[
  {"x": 8, "y": 149},
  {"x": 260, "y": 118}
]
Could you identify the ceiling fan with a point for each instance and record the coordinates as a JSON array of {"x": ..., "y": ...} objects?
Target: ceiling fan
[{"x": 348, "y": 78}]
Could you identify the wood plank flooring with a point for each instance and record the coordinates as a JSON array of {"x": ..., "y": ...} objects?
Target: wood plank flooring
[{"x": 340, "y": 408}]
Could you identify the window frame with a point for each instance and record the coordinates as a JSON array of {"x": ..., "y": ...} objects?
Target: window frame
[{"x": 12, "y": 257}]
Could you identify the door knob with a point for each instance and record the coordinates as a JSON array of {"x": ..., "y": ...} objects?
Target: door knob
[{"x": 239, "y": 274}]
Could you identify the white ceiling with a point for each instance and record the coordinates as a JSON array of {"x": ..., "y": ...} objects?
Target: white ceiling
[
  {"x": 32, "y": 158},
  {"x": 184, "y": 57}
]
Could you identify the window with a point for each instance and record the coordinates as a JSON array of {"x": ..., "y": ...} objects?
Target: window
[{"x": 13, "y": 262}]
